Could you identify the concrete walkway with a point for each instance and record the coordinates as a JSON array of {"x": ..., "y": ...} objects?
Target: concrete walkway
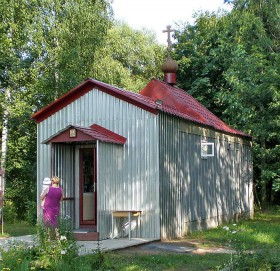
[
  {"x": 112, "y": 244},
  {"x": 147, "y": 245},
  {"x": 87, "y": 247}
]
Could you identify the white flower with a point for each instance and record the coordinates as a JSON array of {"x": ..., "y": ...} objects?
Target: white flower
[
  {"x": 62, "y": 237},
  {"x": 63, "y": 252},
  {"x": 234, "y": 225},
  {"x": 226, "y": 228}
]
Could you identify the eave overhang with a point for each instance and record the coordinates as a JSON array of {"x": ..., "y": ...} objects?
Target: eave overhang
[
  {"x": 75, "y": 134},
  {"x": 131, "y": 97}
]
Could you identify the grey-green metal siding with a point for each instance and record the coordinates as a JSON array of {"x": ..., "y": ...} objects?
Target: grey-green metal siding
[
  {"x": 127, "y": 175},
  {"x": 197, "y": 192}
]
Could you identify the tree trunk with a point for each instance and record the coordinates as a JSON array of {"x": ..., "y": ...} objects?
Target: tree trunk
[
  {"x": 5, "y": 135},
  {"x": 263, "y": 184}
]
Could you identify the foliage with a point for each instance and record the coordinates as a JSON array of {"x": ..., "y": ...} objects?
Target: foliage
[
  {"x": 230, "y": 63},
  {"x": 31, "y": 213},
  {"x": 47, "y": 48},
  {"x": 9, "y": 212},
  {"x": 99, "y": 260},
  {"x": 51, "y": 247},
  {"x": 244, "y": 260},
  {"x": 54, "y": 245},
  {"x": 129, "y": 58}
]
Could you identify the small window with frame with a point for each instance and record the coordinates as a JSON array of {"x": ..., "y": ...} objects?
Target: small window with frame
[{"x": 207, "y": 149}]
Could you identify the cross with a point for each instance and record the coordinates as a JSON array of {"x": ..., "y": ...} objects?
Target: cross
[{"x": 168, "y": 31}]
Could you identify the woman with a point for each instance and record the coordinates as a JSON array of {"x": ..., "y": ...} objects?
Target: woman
[{"x": 52, "y": 196}]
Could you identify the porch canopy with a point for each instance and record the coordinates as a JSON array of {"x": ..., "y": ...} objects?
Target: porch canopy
[{"x": 73, "y": 133}]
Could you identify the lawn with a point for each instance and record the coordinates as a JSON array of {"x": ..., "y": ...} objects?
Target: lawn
[
  {"x": 19, "y": 228},
  {"x": 262, "y": 232}
]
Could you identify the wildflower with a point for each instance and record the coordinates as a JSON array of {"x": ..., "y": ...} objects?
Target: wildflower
[
  {"x": 62, "y": 237},
  {"x": 234, "y": 225},
  {"x": 234, "y": 232},
  {"x": 226, "y": 228},
  {"x": 63, "y": 252}
]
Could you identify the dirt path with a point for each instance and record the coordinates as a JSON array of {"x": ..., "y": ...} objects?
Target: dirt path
[{"x": 175, "y": 246}]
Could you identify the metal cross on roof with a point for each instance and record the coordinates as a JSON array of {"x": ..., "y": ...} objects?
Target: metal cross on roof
[{"x": 168, "y": 31}]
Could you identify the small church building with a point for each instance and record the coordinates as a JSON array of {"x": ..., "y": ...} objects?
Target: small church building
[{"x": 153, "y": 164}]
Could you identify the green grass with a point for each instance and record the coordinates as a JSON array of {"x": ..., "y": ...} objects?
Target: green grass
[
  {"x": 19, "y": 228},
  {"x": 166, "y": 262},
  {"x": 262, "y": 232}
]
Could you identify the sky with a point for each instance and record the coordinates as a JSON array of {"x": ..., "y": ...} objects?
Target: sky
[{"x": 155, "y": 15}]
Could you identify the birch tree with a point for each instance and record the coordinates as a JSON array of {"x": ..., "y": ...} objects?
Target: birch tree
[{"x": 46, "y": 49}]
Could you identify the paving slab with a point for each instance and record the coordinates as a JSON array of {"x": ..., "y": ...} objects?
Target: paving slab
[
  {"x": 87, "y": 247},
  {"x": 112, "y": 244}
]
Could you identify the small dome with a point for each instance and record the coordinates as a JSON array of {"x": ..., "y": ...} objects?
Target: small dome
[{"x": 169, "y": 65}]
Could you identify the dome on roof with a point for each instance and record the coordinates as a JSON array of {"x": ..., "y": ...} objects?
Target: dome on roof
[{"x": 169, "y": 65}]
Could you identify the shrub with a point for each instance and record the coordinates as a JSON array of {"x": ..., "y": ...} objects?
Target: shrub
[
  {"x": 31, "y": 213},
  {"x": 254, "y": 261},
  {"x": 9, "y": 212},
  {"x": 50, "y": 248}
]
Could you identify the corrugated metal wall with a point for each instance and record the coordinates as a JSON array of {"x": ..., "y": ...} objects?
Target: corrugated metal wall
[
  {"x": 127, "y": 175},
  {"x": 159, "y": 170},
  {"x": 63, "y": 159},
  {"x": 198, "y": 192}
]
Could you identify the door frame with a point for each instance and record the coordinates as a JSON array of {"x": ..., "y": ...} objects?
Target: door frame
[{"x": 83, "y": 223}]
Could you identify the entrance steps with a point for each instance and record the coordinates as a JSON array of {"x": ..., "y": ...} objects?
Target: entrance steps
[{"x": 86, "y": 235}]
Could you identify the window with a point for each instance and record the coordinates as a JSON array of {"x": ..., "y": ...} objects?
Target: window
[{"x": 207, "y": 149}]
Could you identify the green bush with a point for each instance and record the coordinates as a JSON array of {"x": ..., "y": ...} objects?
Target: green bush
[
  {"x": 254, "y": 261},
  {"x": 9, "y": 212},
  {"x": 31, "y": 213},
  {"x": 52, "y": 247}
]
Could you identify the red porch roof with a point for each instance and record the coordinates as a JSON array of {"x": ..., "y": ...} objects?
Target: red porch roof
[
  {"x": 155, "y": 97},
  {"x": 74, "y": 133}
]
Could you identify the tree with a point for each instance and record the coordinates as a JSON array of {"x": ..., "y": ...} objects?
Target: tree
[
  {"x": 68, "y": 34},
  {"x": 129, "y": 58},
  {"x": 14, "y": 66},
  {"x": 46, "y": 48},
  {"x": 231, "y": 64}
]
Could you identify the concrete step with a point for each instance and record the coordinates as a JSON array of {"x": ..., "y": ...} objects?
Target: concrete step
[{"x": 86, "y": 235}]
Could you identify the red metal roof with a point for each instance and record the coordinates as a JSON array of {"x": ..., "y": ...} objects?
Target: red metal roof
[
  {"x": 80, "y": 90},
  {"x": 177, "y": 102},
  {"x": 92, "y": 133},
  {"x": 156, "y": 96}
]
